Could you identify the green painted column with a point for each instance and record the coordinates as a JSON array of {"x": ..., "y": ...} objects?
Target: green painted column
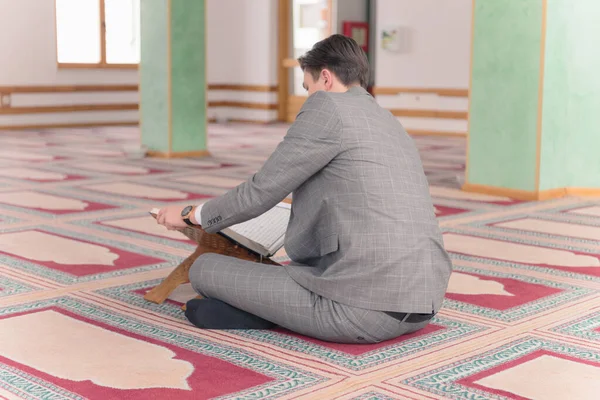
[
  {"x": 534, "y": 113},
  {"x": 173, "y": 86}
]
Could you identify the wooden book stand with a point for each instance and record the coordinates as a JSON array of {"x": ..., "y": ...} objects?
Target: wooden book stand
[{"x": 206, "y": 243}]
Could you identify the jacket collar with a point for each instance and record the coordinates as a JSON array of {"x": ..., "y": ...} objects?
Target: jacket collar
[{"x": 357, "y": 90}]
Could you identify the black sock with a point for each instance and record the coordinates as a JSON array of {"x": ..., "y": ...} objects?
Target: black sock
[{"x": 215, "y": 314}]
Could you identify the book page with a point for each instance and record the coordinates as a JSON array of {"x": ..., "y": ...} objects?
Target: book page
[{"x": 267, "y": 229}]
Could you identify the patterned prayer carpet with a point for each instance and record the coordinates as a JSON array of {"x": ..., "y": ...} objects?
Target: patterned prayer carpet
[{"x": 78, "y": 250}]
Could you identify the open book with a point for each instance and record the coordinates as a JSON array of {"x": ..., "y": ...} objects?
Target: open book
[{"x": 264, "y": 234}]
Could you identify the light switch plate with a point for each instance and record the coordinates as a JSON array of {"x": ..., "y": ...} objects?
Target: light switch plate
[{"x": 5, "y": 100}]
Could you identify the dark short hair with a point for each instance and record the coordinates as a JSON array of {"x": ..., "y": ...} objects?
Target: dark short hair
[{"x": 342, "y": 56}]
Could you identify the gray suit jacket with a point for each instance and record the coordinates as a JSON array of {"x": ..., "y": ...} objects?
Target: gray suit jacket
[{"x": 363, "y": 230}]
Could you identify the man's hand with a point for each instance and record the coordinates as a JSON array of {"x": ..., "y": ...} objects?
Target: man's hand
[{"x": 170, "y": 217}]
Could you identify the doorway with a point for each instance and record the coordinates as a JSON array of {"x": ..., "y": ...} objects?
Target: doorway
[{"x": 302, "y": 23}]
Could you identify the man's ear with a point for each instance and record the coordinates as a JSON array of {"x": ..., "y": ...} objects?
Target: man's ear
[{"x": 327, "y": 78}]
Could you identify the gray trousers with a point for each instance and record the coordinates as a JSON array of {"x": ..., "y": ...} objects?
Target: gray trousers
[{"x": 270, "y": 293}]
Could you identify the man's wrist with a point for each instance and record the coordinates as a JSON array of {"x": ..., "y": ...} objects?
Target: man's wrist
[
  {"x": 197, "y": 215},
  {"x": 192, "y": 217},
  {"x": 188, "y": 215}
]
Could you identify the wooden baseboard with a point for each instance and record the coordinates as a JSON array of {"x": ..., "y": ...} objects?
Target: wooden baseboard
[
  {"x": 177, "y": 154},
  {"x": 447, "y": 92},
  {"x": 403, "y": 112},
  {"x": 244, "y": 121},
  {"x": 242, "y": 104},
  {"x": 67, "y": 125},
  {"x": 422, "y": 132},
  {"x": 500, "y": 191},
  {"x": 531, "y": 195},
  {"x": 96, "y": 66},
  {"x": 551, "y": 194},
  {"x": 583, "y": 192},
  {"x": 124, "y": 88},
  {"x": 251, "y": 121},
  {"x": 68, "y": 88},
  {"x": 244, "y": 88},
  {"x": 67, "y": 108}
]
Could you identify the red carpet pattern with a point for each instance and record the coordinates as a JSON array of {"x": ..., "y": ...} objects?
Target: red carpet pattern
[{"x": 78, "y": 251}]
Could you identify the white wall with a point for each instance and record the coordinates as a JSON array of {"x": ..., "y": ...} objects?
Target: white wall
[
  {"x": 28, "y": 49},
  {"x": 436, "y": 55},
  {"x": 242, "y": 41},
  {"x": 242, "y": 49},
  {"x": 439, "y": 46}
]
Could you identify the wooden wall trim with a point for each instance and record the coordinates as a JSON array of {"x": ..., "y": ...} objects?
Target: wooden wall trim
[
  {"x": 531, "y": 195},
  {"x": 177, "y": 154},
  {"x": 470, "y": 102},
  {"x": 425, "y": 132},
  {"x": 540, "y": 108},
  {"x": 244, "y": 121},
  {"x": 124, "y": 88},
  {"x": 379, "y": 90},
  {"x": 500, "y": 191},
  {"x": 429, "y": 113},
  {"x": 121, "y": 107},
  {"x": 102, "y": 32},
  {"x": 96, "y": 66},
  {"x": 68, "y": 125},
  {"x": 582, "y": 192},
  {"x": 66, "y": 108},
  {"x": 290, "y": 63},
  {"x": 241, "y": 104},
  {"x": 244, "y": 88},
  {"x": 283, "y": 44},
  {"x": 67, "y": 88}
]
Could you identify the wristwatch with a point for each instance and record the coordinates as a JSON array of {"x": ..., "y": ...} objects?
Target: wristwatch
[{"x": 186, "y": 213}]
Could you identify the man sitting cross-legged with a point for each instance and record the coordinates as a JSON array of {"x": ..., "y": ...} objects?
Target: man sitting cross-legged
[{"x": 368, "y": 260}]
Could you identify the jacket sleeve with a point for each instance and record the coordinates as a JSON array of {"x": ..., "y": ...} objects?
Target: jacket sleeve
[{"x": 312, "y": 141}]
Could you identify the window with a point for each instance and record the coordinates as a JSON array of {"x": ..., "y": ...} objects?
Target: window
[{"x": 98, "y": 33}]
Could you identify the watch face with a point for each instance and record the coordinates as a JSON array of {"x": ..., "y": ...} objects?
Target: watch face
[{"x": 186, "y": 211}]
